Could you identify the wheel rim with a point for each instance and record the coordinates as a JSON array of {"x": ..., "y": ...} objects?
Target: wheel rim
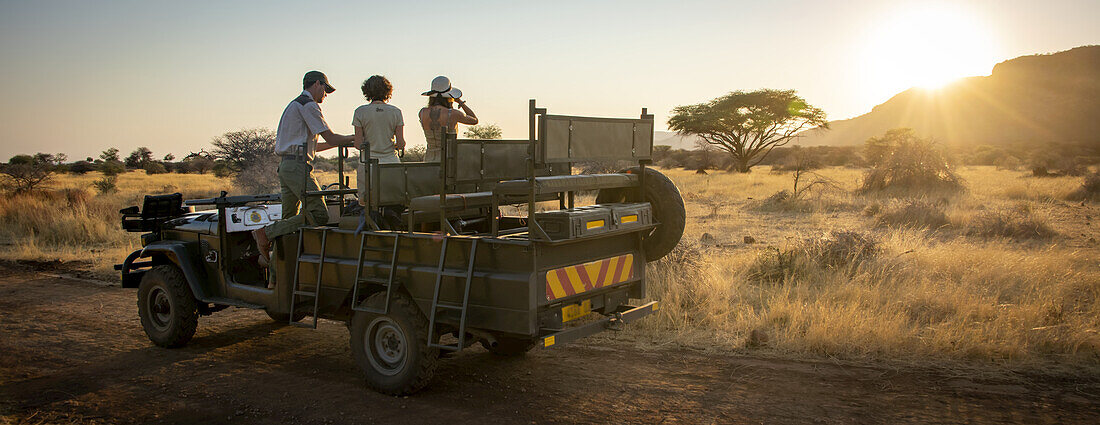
[
  {"x": 159, "y": 306},
  {"x": 387, "y": 346}
]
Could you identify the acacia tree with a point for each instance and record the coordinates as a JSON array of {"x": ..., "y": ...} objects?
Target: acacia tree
[
  {"x": 483, "y": 132},
  {"x": 25, "y": 172},
  {"x": 748, "y": 125},
  {"x": 243, "y": 148}
]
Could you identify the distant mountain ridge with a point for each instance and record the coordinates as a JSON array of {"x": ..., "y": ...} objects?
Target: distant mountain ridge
[{"x": 1031, "y": 99}]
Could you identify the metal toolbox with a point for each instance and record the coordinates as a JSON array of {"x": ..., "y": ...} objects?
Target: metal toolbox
[
  {"x": 629, "y": 216},
  {"x": 575, "y": 222}
]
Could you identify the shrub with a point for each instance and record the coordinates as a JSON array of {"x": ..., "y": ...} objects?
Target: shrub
[
  {"x": 112, "y": 168},
  {"x": 414, "y": 154},
  {"x": 153, "y": 167},
  {"x": 901, "y": 161},
  {"x": 1089, "y": 189},
  {"x": 260, "y": 177},
  {"x": 81, "y": 167},
  {"x": 1019, "y": 225},
  {"x": 106, "y": 184},
  {"x": 844, "y": 250},
  {"x": 914, "y": 214}
]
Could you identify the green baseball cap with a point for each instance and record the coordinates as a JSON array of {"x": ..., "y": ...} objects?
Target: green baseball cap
[{"x": 312, "y": 76}]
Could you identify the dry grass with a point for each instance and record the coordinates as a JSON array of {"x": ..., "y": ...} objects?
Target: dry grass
[
  {"x": 839, "y": 274},
  {"x": 981, "y": 290},
  {"x": 71, "y": 222}
]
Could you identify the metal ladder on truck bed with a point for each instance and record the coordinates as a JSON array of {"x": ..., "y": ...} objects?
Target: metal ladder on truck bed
[
  {"x": 440, "y": 272},
  {"x": 387, "y": 283},
  {"x": 296, "y": 290}
]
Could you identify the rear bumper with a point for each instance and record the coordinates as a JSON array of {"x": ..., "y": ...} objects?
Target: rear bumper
[{"x": 614, "y": 321}]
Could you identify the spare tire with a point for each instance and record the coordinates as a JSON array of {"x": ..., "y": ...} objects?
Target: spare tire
[{"x": 668, "y": 210}]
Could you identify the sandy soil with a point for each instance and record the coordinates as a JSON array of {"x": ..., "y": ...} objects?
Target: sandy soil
[{"x": 72, "y": 351}]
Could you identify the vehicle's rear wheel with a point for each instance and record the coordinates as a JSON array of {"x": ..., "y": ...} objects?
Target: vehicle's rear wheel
[
  {"x": 285, "y": 317},
  {"x": 167, "y": 308},
  {"x": 668, "y": 210},
  {"x": 392, "y": 349},
  {"x": 510, "y": 347}
]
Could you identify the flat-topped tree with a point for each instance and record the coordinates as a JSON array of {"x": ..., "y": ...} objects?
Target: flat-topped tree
[{"x": 748, "y": 125}]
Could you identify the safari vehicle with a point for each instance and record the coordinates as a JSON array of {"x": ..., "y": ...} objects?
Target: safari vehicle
[{"x": 429, "y": 264}]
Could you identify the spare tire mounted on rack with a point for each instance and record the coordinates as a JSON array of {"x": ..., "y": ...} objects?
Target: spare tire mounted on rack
[{"x": 668, "y": 210}]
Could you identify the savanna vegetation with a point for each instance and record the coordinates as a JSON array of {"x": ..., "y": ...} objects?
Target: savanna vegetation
[{"x": 891, "y": 251}]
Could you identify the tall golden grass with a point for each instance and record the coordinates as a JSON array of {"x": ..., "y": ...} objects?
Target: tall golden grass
[
  {"x": 71, "y": 222},
  {"x": 954, "y": 286},
  {"x": 946, "y": 292}
]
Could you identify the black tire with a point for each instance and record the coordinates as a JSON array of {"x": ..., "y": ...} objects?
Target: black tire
[
  {"x": 167, "y": 308},
  {"x": 285, "y": 317},
  {"x": 510, "y": 347},
  {"x": 668, "y": 210},
  {"x": 392, "y": 349}
]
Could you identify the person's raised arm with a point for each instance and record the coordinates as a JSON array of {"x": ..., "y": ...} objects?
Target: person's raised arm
[{"x": 467, "y": 116}]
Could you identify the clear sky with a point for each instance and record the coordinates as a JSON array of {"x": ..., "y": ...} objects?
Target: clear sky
[{"x": 83, "y": 76}]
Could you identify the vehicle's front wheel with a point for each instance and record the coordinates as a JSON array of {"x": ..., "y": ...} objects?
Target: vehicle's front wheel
[
  {"x": 392, "y": 349},
  {"x": 167, "y": 308}
]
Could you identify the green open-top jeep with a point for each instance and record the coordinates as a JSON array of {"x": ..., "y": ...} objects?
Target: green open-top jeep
[{"x": 426, "y": 261}]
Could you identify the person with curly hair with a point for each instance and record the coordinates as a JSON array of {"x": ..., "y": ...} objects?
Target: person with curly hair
[{"x": 379, "y": 125}]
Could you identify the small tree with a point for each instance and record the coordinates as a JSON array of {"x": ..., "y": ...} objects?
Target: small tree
[
  {"x": 25, "y": 172},
  {"x": 240, "y": 149},
  {"x": 110, "y": 155},
  {"x": 483, "y": 132},
  {"x": 139, "y": 157},
  {"x": 748, "y": 125},
  {"x": 197, "y": 162}
]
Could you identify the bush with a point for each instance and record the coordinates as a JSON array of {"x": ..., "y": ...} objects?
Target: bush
[
  {"x": 154, "y": 168},
  {"x": 914, "y": 214},
  {"x": 842, "y": 251},
  {"x": 106, "y": 184},
  {"x": 901, "y": 161},
  {"x": 260, "y": 177},
  {"x": 81, "y": 167},
  {"x": 1019, "y": 225},
  {"x": 112, "y": 168},
  {"x": 415, "y": 154}
]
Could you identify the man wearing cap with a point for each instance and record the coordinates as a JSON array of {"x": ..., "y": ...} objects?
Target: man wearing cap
[{"x": 296, "y": 142}]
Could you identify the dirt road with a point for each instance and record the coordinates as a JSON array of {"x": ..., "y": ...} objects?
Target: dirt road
[{"x": 73, "y": 352}]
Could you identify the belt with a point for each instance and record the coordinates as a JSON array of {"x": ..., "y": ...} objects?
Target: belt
[{"x": 293, "y": 157}]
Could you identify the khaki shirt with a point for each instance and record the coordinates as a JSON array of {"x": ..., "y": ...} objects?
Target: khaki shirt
[
  {"x": 300, "y": 124},
  {"x": 378, "y": 121}
]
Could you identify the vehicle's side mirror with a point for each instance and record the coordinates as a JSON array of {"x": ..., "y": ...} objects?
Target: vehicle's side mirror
[{"x": 133, "y": 210}]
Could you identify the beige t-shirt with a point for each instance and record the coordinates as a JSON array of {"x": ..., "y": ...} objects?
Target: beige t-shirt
[{"x": 378, "y": 121}]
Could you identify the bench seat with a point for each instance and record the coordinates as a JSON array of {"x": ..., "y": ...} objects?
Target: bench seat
[{"x": 558, "y": 184}]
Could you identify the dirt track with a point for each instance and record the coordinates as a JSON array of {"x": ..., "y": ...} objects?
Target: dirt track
[{"x": 73, "y": 352}]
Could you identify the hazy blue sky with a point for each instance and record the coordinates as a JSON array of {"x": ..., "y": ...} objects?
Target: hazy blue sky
[{"x": 86, "y": 75}]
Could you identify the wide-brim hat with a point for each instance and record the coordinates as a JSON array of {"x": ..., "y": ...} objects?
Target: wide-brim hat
[{"x": 441, "y": 87}]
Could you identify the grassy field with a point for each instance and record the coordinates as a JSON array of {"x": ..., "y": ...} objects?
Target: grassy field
[{"x": 1006, "y": 272}]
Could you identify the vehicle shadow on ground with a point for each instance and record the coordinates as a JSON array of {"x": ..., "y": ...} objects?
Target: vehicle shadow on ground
[{"x": 101, "y": 373}]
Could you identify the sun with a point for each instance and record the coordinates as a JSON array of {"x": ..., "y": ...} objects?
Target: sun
[{"x": 927, "y": 46}]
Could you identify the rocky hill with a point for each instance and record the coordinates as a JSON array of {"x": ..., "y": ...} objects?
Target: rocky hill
[{"x": 1029, "y": 99}]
